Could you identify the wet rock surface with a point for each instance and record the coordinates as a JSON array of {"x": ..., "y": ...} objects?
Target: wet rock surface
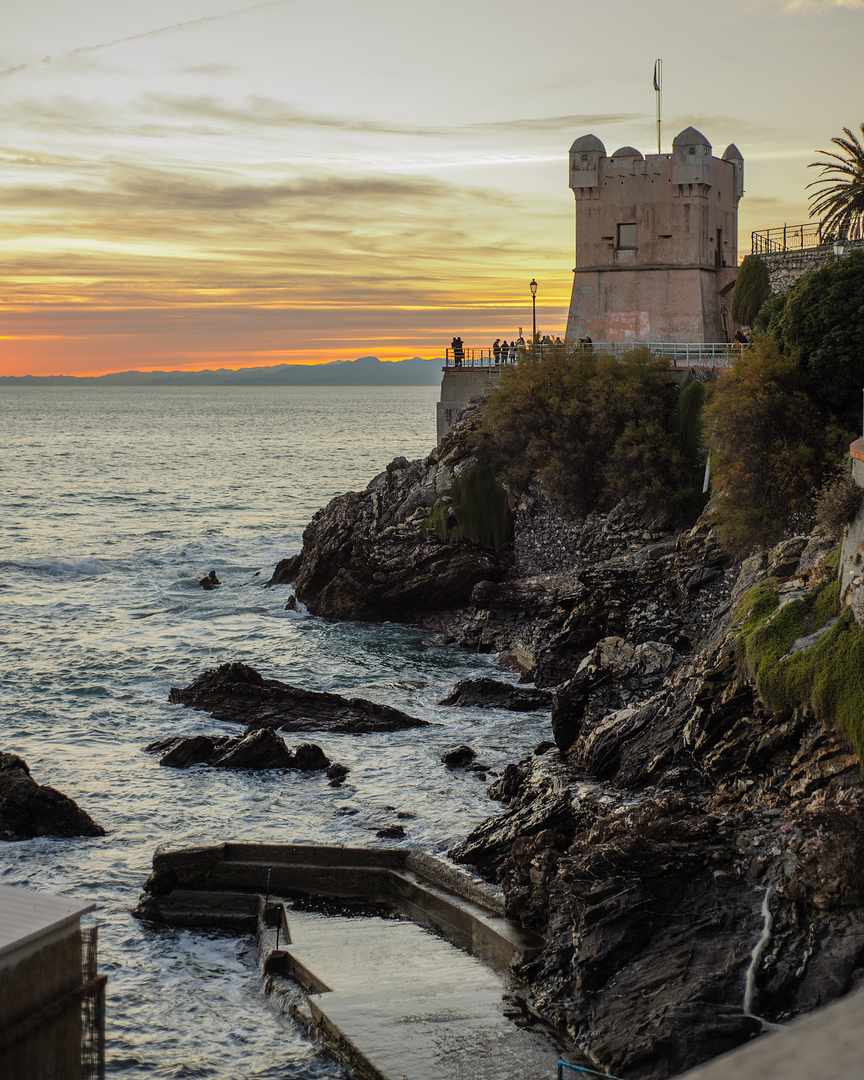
[
  {"x": 485, "y": 693},
  {"x": 674, "y": 820},
  {"x": 29, "y": 809},
  {"x": 238, "y": 693},
  {"x": 458, "y": 757},
  {"x": 258, "y": 749}
]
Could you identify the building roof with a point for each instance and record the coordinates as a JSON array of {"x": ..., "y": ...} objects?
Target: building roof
[
  {"x": 627, "y": 151},
  {"x": 690, "y": 136},
  {"x": 26, "y": 916},
  {"x": 587, "y": 142},
  {"x": 732, "y": 153}
]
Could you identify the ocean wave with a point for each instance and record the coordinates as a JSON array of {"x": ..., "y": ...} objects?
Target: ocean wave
[{"x": 86, "y": 567}]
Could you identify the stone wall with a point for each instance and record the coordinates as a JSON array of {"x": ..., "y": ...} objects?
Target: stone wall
[
  {"x": 458, "y": 387},
  {"x": 786, "y": 267}
]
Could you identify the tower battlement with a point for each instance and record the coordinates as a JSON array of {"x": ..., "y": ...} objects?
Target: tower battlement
[{"x": 656, "y": 241}]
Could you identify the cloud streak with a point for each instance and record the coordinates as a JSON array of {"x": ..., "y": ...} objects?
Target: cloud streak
[
  {"x": 158, "y": 32},
  {"x": 817, "y": 7}
]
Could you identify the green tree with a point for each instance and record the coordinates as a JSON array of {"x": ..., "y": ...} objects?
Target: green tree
[
  {"x": 839, "y": 199},
  {"x": 752, "y": 289},
  {"x": 768, "y": 447},
  {"x": 819, "y": 324},
  {"x": 592, "y": 427}
]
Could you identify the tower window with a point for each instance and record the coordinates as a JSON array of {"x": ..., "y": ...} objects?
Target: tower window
[{"x": 627, "y": 236}]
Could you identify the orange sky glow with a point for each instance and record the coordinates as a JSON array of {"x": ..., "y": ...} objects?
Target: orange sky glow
[{"x": 179, "y": 192}]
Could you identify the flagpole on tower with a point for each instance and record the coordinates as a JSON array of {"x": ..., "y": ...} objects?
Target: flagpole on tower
[{"x": 658, "y": 76}]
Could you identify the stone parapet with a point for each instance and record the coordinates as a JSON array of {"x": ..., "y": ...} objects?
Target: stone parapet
[{"x": 785, "y": 268}]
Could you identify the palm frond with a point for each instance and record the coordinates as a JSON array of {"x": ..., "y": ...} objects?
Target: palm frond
[{"x": 839, "y": 198}]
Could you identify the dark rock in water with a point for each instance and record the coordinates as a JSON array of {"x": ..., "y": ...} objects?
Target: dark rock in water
[
  {"x": 258, "y": 749},
  {"x": 391, "y": 832},
  {"x": 336, "y": 774},
  {"x": 238, "y": 693},
  {"x": 28, "y": 809},
  {"x": 486, "y": 693},
  {"x": 291, "y": 603},
  {"x": 286, "y": 571},
  {"x": 196, "y": 750},
  {"x": 459, "y": 757},
  {"x": 210, "y": 581},
  {"x": 310, "y": 758}
]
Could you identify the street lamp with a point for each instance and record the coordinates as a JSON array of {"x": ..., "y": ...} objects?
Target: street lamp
[
  {"x": 534, "y": 308},
  {"x": 839, "y": 248}
]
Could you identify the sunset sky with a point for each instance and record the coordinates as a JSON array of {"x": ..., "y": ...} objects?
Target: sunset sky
[{"x": 199, "y": 183}]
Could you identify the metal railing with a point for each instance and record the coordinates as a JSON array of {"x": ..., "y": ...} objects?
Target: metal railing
[
  {"x": 788, "y": 238},
  {"x": 481, "y": 358},
  {"x": 582, "y": 1070},
  {"x": 702, "y": 354},
  {"x": 92, "y": 1008},
  {"x": 680, "y": 354}
]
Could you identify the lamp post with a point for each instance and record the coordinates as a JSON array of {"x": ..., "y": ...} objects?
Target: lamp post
[
  {"x": 839, "y": 248},
  {"x": 534, "y": 309}
]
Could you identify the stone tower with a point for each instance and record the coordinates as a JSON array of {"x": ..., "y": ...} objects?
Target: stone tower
[{"x": 656, "y": 241}]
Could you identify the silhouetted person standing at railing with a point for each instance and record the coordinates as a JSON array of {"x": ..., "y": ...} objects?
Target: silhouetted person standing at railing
[
  {"x": 496, "y": 350},
  {"x": 458, "y": 352}
]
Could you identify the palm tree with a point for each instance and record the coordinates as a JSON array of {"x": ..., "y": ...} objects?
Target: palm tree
[{"x": 840, "y": 201}]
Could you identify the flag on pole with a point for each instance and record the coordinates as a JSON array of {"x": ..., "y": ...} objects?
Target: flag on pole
[{"x": 657, "y": 75}]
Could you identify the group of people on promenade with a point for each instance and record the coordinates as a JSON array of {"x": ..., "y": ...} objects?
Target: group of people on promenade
[{"x": 502, "y": 351}]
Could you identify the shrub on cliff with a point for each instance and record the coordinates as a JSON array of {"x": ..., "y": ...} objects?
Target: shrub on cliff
[
  {"x": 752, "y": 289},
  {"x": 474, "y": 508},
  {"x": 769, "y": 447},
  {"x": 593, "y": 428},
  {"x": 819, "y": 324}
]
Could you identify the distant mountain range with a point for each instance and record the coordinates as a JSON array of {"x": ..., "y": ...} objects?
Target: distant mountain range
[{"x": 365, "y": 371}]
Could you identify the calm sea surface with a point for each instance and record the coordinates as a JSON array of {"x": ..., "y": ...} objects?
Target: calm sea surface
[{"x": 113, "y": 503}]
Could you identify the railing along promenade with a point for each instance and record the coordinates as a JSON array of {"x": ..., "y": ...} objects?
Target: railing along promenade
[
  {"x": 702, "y": 355},
  {"x": 788, "y": 238}
]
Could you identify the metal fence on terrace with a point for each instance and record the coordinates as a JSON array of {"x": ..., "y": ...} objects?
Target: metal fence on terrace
[
  {"x": 788, "y": 238},
  {"x": 702, "y": 355}
]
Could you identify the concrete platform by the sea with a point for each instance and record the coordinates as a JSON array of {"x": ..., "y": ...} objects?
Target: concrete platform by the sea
[{"x": 395, "y": 1001}]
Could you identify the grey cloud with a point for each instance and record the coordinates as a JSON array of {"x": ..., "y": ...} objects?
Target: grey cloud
[
  {"x": 270, "y": 112},
  {"x": 218, "y": 70}
]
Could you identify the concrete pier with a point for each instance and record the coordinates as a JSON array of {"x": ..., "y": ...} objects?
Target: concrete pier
[
  {"x": 394, "y": 1001},
  {"x": 419, "y": 989}
]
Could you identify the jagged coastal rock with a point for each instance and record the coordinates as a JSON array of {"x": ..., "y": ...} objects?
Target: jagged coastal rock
[
  {"x": 259, "y": 748},
  {"x": 28, "y": 809},
  {"x": 366, "y": 555},
  {"x": 691, "y": 857},
  {"x": 674, "y": 817},
  {"x": 486, "y": 693},
  {"x": 238, "y": 693}
]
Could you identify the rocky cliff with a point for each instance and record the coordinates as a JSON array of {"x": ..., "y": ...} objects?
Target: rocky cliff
[
  {"x": 366, "y": 555},
  {"x": 691, "y": 857}
]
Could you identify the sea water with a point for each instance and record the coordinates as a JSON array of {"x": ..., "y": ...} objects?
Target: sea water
[{"x": 114, "y": 502}]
